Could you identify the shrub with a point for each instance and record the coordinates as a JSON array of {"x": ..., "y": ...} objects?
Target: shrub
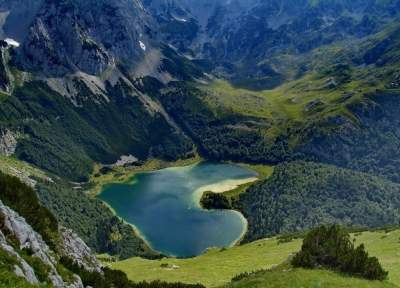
[{"x": 331, "y": 247}]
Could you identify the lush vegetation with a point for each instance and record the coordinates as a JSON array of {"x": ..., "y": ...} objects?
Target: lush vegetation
[
  {"x": 7, "y": 276},
  {"x": 214, "y": 268},
  {"x": 23, "y": 199},
  {"x": 299, "y": 278},
  {"x": 331, "y": 247},
  {"x": 66, "y": 139},
  {"x": 229, "y": 136},
  {"x": 384, "y": 245},
  {"x": 263, "y": 171},
  {"x": 92, "y": 220},
  {"x": 301, "y": 195},
  {"x": 335, "y": 110},
  {"x": 88, "y": 217},
  {"x": 219, "y": 266},
  {"x": 114, "y": 278},
  {"x": 8, "y": 279},
  {"x": 210, "y": 200}
]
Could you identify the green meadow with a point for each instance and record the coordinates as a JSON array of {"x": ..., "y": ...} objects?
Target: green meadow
[{"x": 217, "y": 267}]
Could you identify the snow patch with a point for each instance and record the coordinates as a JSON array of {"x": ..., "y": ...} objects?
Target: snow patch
[
  {"x": 142, "y": 45},
  {"x": 180, "y": 19},
  {"x": 12, "y": 42}
]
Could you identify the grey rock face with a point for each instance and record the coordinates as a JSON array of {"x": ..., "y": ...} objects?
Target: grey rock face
[
  {"x": 76, "y": 249},
  {"x": 87, "y": 36},
  {"x": 58, "y": 47},
  {"x": 8, "y": 142},
  {"x": 22, "y": 269},
  {"x": 6, "y": 78},
  {"x": 28, "y": 238},
  {"x": 77, "y": 283}
]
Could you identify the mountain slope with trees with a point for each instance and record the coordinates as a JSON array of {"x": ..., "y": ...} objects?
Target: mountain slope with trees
[{"x": 302, "y": 195}]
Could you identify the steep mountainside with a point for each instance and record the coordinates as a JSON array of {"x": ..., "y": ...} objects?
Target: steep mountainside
[
  {"x": 87, "y": 36},
  {"x": 35, "y": 251},
  {"x": 243, "y": 38},
  {"x": 75, "y": 104},
  {"x": 300, "y": 195},
  {"x": 17, "y": 16},
  {"x": 34, "y": 256},
  {"x": 70, "y": 98},
  {"x": 90, "y": 82},
  {"x": 341, "y": 108}
]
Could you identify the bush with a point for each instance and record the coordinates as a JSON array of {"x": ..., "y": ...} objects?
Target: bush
[{"x": 331, "y": 247}]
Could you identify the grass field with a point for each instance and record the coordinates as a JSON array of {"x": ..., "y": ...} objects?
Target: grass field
[
  {"x": 385, "y": 246},
  {"x": 291, "y": 101},
  {"x": 217, "y": 267},
  {"x": 294, "y": 104},
  {"x": 300, "y": 278}
]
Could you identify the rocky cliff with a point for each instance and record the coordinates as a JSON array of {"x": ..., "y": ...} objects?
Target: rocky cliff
[
  {"x": 19, "y": 240},
  {"x": 87, "y": 36}
]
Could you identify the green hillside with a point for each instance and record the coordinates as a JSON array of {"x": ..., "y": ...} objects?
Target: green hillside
[
  {"x": 214, "y": 268},
  {"x": 301, "y": 195},
  {"x": 94, "y": 222},
  {"x": 217, "y": 266},
  {"x": 385, "y": 246},
  {"x": 339, "y": 98},
  {"x": 300, "y": 278}
]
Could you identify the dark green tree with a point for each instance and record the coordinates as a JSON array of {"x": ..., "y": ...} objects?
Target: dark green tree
[{"x": 331, "y": 247}]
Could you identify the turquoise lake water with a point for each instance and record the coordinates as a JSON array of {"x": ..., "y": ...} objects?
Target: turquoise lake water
[{"x": 163, "y": 206}]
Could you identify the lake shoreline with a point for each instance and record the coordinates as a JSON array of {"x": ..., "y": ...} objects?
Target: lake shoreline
[
  {"x": 221, "y": 188},
  {"x": 218, "y": 187},
  {"x": 121, "y": 175},
  {"x": 137, "y": 231}
]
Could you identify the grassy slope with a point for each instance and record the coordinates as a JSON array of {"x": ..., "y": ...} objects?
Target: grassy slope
[
  {"x": 385, "y": 246},
  {"x": 292, "y": 104},
  {"x": 217, "y": 267},
  {"x": 9, "y": 280},
  {"x": 300, "y": 278},
  {"x": 15, "y": 167},
  {"x": 333, "y": 81},
  {"x": 214, "y": 268}
]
